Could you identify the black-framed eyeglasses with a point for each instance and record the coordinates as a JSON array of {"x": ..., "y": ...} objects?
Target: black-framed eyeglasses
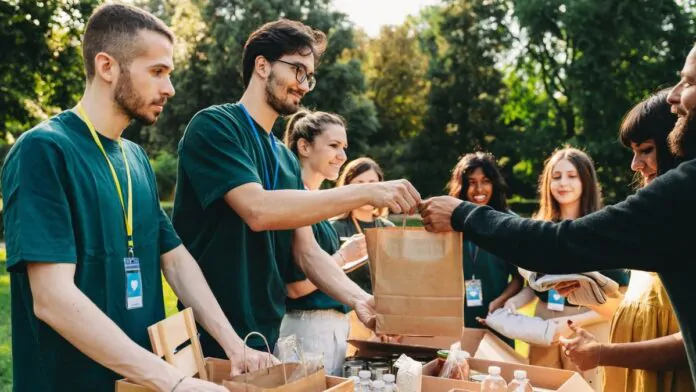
[{"x": 301, "y": 74}]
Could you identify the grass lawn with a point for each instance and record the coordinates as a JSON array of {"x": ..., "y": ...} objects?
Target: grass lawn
[{"x": 5, "y": 341}]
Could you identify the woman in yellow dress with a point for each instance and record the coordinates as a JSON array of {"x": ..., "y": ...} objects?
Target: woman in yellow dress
[{"x": 646, "y": 351}]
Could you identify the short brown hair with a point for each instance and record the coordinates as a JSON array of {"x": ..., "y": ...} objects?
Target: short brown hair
[
  {"x": 651, "y": 119},
  {"x": 113, "y": 28},
  {"x": 276, "y": 39}
]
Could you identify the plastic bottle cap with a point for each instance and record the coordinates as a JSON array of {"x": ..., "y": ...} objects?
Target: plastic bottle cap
[
  {"x": 494, "y": 371},
  {"x": 389, "y": 378},
  {"x": 364, "y": 374},
  {"x": 463, "y": 355},
  {"x": 520, "y": 374},
  {"x": 378, "y": 384}
]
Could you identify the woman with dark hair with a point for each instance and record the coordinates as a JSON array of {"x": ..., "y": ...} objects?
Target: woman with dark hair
[
  {"x": 644, "y": 131},
  {"x": 490, "y": 281},
  {"x": 645, "y": 316},
  {"x": 352, "y": 224}
]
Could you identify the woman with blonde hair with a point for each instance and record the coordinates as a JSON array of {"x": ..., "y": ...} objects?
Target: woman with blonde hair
[{"x": 319, "y": 140}]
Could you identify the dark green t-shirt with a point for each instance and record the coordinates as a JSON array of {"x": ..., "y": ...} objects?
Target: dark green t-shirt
[
  {"x": 246, "y": 270},
  {"x": 61, "y": 206},
  {"x": 346, "y": 228},
  {"x": 620, "y": 276},
  {"x": 494, "y": 274},
  {"x": 327, "y": 239}
]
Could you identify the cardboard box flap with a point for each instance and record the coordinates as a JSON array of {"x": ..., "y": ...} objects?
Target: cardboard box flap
[
  {"x": 482, "y": 343},
  {"x": 540, "y": 377},
  {"x": 409, "y": 344}
]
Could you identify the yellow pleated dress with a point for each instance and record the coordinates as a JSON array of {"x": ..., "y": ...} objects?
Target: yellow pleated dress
[{"x": 645, "y": 313}]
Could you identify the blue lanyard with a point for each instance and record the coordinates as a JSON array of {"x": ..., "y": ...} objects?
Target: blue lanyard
[
  {"x": 272, "y": 142},
  {"x": 473, "y": 253}
]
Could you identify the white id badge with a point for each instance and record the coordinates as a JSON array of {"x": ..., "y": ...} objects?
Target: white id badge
[
  {"x": 474, "y": 293},
  {"x": 556, "y": 301},
  {"x": 134, "y": 283}
]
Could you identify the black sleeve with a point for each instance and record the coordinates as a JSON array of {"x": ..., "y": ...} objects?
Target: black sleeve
[{"x": 649, "y": 231}]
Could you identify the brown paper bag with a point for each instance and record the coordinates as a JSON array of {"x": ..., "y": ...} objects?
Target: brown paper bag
[
  {"x": 417, "y": 280},
  {"x": 273, "y": 380}
]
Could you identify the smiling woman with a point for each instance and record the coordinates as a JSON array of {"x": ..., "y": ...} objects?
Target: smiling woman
[
  {"x": 490, "y": 280},
  {"x": 319, "y": 140}
]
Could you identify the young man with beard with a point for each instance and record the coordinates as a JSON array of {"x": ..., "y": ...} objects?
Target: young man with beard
[
  {"x": 87, "y": 241},
  {"x": 651, "y": 231},
  {"x": 241, "y": 207}
]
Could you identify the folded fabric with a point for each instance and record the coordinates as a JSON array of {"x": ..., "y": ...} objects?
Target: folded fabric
[
  {"x": 532, "y": 330},
  {"x": 594, "y": 289}
]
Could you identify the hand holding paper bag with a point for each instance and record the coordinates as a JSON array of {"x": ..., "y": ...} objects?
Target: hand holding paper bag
[{"x": 437, "y": 213}]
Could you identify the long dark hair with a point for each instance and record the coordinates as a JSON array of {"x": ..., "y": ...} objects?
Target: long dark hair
[
  {"x": 651, "y": 119},
  {"x": 591, "y": 197},
  {"x": 459, "y": 181}
]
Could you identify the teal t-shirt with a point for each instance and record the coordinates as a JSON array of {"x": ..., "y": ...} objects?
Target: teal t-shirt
[
  {"x": 327, "y": 238},
  {"x": 61, "y": 206},
  {"x": 346, "y": 228},
  {"x": 494, "y": 274},
  {"x": 246, "y": 270}
]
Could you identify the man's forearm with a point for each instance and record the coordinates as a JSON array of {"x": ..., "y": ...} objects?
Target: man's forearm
[
  {"x": 665, "y": 353},
  {"x": 187, "y": 281},
  {"x": 290, "y": 209},
  {"x": 70, "y": 313},
  {"x": 327, "y": 276},
  {"x": 306, "y": 287}
]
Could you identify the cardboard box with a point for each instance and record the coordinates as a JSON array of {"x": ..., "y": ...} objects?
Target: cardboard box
[
  {"x": 480, "y": 343},
  {"x": 273, "y": 379},
  {"x": 218, "y": 371},
  {"x": 542, "y": 378}
]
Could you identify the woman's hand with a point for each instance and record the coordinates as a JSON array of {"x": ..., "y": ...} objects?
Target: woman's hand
[
  {"x": 355, "y": 248},
  {"x": 584, "y": 349}
]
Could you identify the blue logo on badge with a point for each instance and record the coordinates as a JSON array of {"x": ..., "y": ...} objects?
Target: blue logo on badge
[{"x": 133, "y": 286}]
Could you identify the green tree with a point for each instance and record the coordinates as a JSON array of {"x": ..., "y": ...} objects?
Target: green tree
[
  {"x": 593, "y": 60},
  {"x": 212, "y": 72},
  {"x": 40, "y": 63},
  {"x": 463, "y": 40},
  {"x": 396, "y": 67}
]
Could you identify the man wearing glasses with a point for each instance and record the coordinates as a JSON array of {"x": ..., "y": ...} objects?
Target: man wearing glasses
[{"x": 241, "y": 208}]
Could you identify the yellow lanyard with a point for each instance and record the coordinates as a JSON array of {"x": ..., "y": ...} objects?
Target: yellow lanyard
[{"x": 128, "y": 215}]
